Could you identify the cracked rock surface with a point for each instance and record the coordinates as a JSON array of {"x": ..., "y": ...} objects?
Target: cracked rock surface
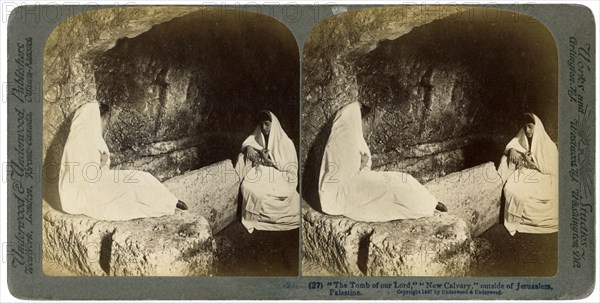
[
  {"x": 433, "y": 246},
  {"x": 211, "y": 191},
  {"x": 440, "y": 245},
  {"x": 177, "y": 245},
  {"x": 176, "y": 107},
  {"x": 446, "y": 85},
  {"x": 194, "y": 92},
  {"x": 473, "y": 194}
]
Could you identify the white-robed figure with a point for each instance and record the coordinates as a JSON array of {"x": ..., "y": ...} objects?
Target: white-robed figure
[
  {"x": 348, "y": 186},
  {"x": 89, "y": 187},
  {"x": 530, "y": 170},
  {"x": 269, "y": 197}
]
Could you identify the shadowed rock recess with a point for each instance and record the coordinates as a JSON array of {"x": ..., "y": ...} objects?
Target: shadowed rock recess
[
  {"x": 448, "y": 86},
  {"x": 183, "y": 84}
]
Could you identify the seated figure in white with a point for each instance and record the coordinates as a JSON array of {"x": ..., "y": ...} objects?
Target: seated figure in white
[
  {"x": 270, "y": 200},
  {"x": 89, "y": 187},
  {"x": 530, "y": 170},
  {"x": 348, "y": 186}
]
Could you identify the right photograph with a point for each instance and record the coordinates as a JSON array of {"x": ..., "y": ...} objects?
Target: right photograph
[{"x": 429, "y": 143}]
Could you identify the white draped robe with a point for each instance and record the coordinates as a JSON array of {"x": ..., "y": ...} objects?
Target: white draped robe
[
  {"x": 363, "y": 194},
  {"x": 269, "y": 197},
  {"x": 531, "y": 195},
  {"x": 91, "y": 188}
]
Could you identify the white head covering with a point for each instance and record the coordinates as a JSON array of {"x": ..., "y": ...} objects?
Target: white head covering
[
  {"x": 88, "y": 186},
  {"x": 83, "y": 149},
  {"x": 342, "y": 156},
  {"x": 281, "y": 148},
  {"x": 543, "y": 150}
]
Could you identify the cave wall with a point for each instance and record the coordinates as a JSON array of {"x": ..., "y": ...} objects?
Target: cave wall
[
  {"x": 189, "y": 100},
  {"x": 329, "y": 78},
  {"x": 449, "y": 94},
  {"x": 68, "y": 71},
  {"x": 328, "y": 69},
  {"x": 447, "y": 85},
  {"x": 181, "y": 81}
]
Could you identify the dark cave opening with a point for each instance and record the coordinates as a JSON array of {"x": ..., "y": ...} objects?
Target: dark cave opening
[
  {"x": 449, "y": 94},
  {"x": 184, "y": 85},
  {"x": 184, "y": 94}
]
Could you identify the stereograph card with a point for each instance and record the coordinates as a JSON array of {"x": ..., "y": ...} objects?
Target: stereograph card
[{"x": 389, "y": 152}]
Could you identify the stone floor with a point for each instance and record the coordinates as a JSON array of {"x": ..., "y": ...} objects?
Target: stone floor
[
  {"x": 261, "y": 253},
  {"x": 498, "y": 253}
]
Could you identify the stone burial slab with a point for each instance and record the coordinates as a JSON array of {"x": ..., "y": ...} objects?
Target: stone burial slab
[
  {"x": 211, "y": 191},
  {"x": 473, "y": 194}
]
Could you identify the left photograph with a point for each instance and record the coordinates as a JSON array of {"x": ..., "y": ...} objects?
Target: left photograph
[{"x": 170, "y": 144}]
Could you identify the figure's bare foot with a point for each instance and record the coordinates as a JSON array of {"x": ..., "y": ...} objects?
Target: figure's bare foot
[
  {"x": 441, "y": 207},
  {"x": 181, "y": 205}
]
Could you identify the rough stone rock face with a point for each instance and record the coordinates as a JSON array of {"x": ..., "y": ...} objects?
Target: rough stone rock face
[
  {"x": 69, "y": 81},
  {"x": 447, "y": 85},
  {"x": 68, "y": 70},
  {"x": 197, "y": 88},
  {"x": 181, "y": 104},
  {"x": 329, "y": 76},
  {"x": 211, "y": 191},
  {"x": 331, "y": 241},
  {"x": 185, "y": 102},
  {"x": 440, "y": 249},
  {"x": 473, "y": 194},
  {"x": 468, "y": 83},
  {"x": 170, "y": 245},
  {"x": 428, "y": 161},
  {"x": 434, "y": 246},
  {"x": 177, "y": 245}
]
